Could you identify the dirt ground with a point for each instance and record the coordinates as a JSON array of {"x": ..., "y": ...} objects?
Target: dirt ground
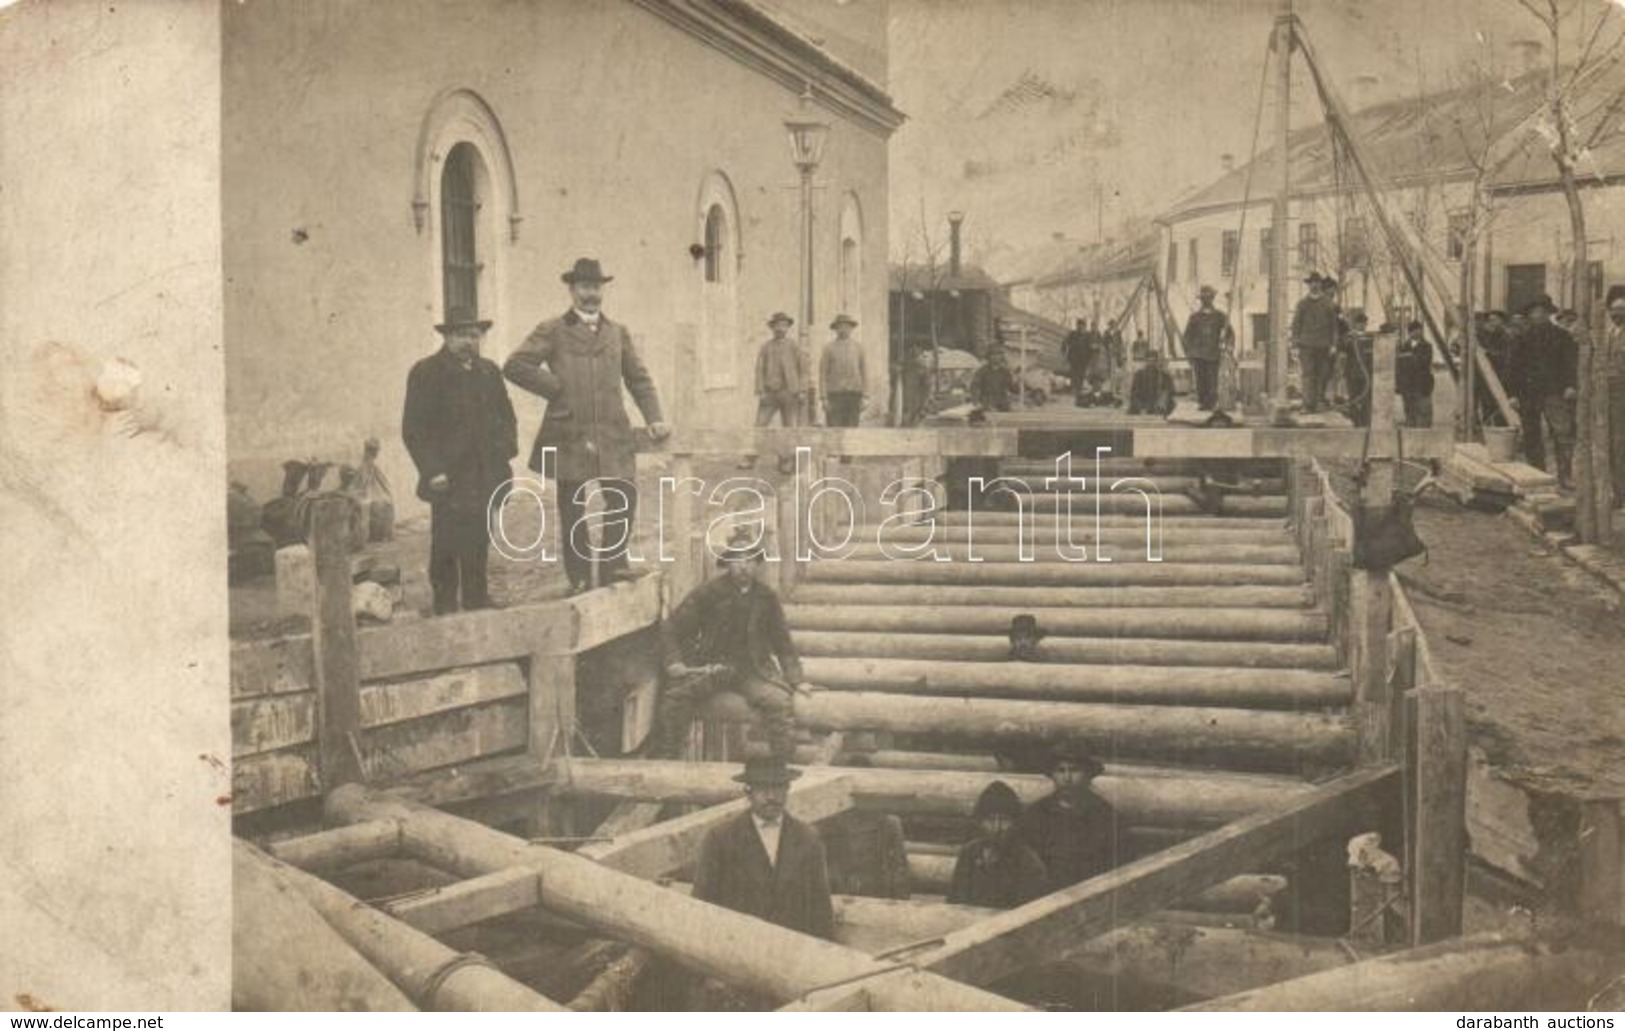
[{"x": 1535, "y": 641}]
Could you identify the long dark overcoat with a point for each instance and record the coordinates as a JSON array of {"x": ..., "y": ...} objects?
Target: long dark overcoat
[
  {"x": 459, "y": 423},
  {"x": 733, "y": 872}
]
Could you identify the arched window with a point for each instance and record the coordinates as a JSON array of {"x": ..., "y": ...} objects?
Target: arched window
[
  {"x": 720, "y": 343},
  {"x": 851, "y": 256},
  {"x": 459, "y": 238}
]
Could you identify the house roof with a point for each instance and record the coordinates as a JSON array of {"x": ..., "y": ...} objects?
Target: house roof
[
  {"x": 1133, "y": 256},
  {"x": 971, "y": 277},
  {"x": 1427, "y": 138}
]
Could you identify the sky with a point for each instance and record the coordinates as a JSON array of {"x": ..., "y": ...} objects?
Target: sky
[{"x": 1122, "y": 106}]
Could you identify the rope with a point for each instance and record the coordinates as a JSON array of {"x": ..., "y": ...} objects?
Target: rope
[{"x": 1235, "y": 294}]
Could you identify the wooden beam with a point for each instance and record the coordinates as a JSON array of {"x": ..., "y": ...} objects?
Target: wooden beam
[
  {"x": 286, "y": 957},
  {"x": 714, "y": 942},
  {"x": 337, "y": 664},
  {"x": 1478, "y": 974},
  {"x": 1436, "y": 811},
  {"x": 552, "y": 679},
  {"x": 339, "y": 847},
  {"x": 467, "y": 902},
  {"x": 627, "y": 817},
  {"x": 1032, "y": 933},
  {"x": 434, "y": 976},
  {"x": 667, "y": 849}
]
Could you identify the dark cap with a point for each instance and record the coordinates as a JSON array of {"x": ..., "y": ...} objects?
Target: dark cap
[
  {"x": 1072, "y": 752},
  {"x": 997, "y": 799},
  {"x": 780, "y": 316},
  {"x": 462, "y": 318},
  {"x": 843, "y": 319},
  {"x": 1207, "y": 291},
  {"x": 1026, "y": 625},
  {"x": 1542, "y": 303}
]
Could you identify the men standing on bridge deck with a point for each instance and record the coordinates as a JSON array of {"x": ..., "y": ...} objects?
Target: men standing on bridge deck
[
  {"x": 1315, "y": 337},
  {"x": 1207, "y": 337},
  {"x": 1547, "y": 369},
  {"x": 729, "y": 634},
  {"x": 577, "y": 363},
  {"x": 459, "y": 428},
  {"x": 781, "y": 384},
  {"x": 1074, "y": 831},
  {"x": 1079, "y": 352}
]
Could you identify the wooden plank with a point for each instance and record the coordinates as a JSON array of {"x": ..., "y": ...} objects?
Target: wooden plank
[
  {"x": 628, "y": 817},
  {"x": 1036, "y": 931},
  {"x": 598, "y": 617},
  {"x": 277, "y": 666},
  {"x": 477, "y": 780},
  {"x": 467, "y": 902},
  {"x": 333, "y": 642},
  {"x": 281, "y": 721},
  {"x": 1436, "y": 811},
  {"x": 289, "y": 775}
]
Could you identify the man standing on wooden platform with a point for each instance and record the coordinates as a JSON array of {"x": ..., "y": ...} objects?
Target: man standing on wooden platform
[
  {"x": 1074, "y": 831},
  {"x": 577, "y": 363},
  {"x": 843, "y": 376},
  {"x": 459, "y": 428},
  {"x": 730, "y": 634},
  {"x": 1207, "y": 336},
  {"x": 781, "y": 384}
]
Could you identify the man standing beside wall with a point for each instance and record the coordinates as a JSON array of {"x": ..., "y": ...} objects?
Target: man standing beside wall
[
  {"x": 577, "y": 363},
  {"x": 844, "y": 374}
]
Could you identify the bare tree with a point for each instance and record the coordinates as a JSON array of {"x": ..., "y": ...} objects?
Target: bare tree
[{"x": 1582, "y": 109}]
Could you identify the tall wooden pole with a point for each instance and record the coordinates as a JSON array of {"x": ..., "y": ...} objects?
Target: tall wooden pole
[
  {"x": 1371, "y": 595},
  {"x": 333, "y": 638},
  {"x": 1275, "y": 364}
]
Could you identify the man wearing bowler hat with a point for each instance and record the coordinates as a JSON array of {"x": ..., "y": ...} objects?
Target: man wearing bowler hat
[
  {"x": 781, "y": 383},
  {"x": 1315, "y": 338},
  {"x": 844, "y": 376},
  {"x": 765, "y": 862},
  {"x": 1073, "y": 830},
  {"x": 577, "y": 363},
  {"x": 459, "y": 428},
  {"x": 1546, "y": 371}
]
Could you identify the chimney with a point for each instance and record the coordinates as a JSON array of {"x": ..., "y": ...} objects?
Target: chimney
[
  {"x": 954, "y": 219},
  {"x": 1227, "y": 162}
]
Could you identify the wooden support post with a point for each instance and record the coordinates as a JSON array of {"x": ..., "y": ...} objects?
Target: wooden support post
[
  {"x": 789, "y": 535},
  {"x": 684, "y": 576},
  {"x": 1436, "y": 810},
  {"x": 752, "y": 954},
  {"x": 552, "y": 706},
  {"x": 1375, "y": 883},
  {"x": 1034, "y": 932},
  {"x": 1371, "y": 592},
  {"x": 333, "y": 640}
]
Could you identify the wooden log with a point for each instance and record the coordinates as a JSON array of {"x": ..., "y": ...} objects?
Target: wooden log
[
  {"x": 337, "y": 664},
  {"x": 286, "y": 957},
  {"x": 1478, "y": 974},
  {"x": 1242, "y": 738},
  {"x": 1156, "y": 685},
  {"x": 339, "y": 847},
  {"x": 1122, "y": 573},
  {"x": 1285, "y": 625},
  {"x": 1145, "y": 795},
  {"x": 628, "y": 817},
  {"x": 1436, "y": 811},
  {"x": 1005, "y": 943},
  {"x": 752, "y": 954},
  {"x": 434, "y": 976},
  {"x": 1043, "y": 520},
  {"x": 1067, "y": 650},
  {"x": 1037, "y": 599}
]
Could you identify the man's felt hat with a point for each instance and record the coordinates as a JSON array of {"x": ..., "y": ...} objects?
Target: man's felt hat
[
  {"x": 743, "y": 545},
  {"x": 1615, "y": 293},
  {"x": 1072, "y": 752},
  {"x": 997, "y": 799},
  {"x": 1328, "y": 282},
  {"x": 1314, "y": 277},
  {"x": 1544, "y": 301},
  {"x": 1207, "y": 291},
  {"x": 586, "y": 270},
  {"x": 461, "y": 318},
  {"x": 1026, "y": 625},
  {"x": 780, "y": 316},
  {"x": 843, "y": 318},
  {"x": 766, "y": 769}
]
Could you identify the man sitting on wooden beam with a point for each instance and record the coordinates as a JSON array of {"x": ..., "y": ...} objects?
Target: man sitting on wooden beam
[{"x": 729, "y": 634}]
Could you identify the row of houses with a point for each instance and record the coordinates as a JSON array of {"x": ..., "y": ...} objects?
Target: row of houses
[{"x": 1436, "y": 151}]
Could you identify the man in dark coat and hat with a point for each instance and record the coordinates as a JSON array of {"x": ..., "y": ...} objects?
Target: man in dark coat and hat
[
  {"x": 460, "y": 431},
  {"x": 1207, "y": 336},
  {"x": 730, "y": 634},
  {"x": 781, "y": 383},
  {"x": 996, "y": 868},
  {"x": 577, "y": 363},
  {"x": 764, "y": 861},
  {"x": 1315, "y": 337},
  {"x": 1074, "y": 831},
  {"x": 1546, "y": 371}
]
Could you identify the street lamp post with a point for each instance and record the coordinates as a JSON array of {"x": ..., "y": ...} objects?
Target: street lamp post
[{"x": 807, "y": 135}]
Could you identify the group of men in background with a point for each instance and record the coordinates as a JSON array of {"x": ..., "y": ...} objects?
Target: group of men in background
[
  {"x": 1537, "y": 359},
  {"x": 1093, "y": 358},
  {"x": 1335, "y": 351}
]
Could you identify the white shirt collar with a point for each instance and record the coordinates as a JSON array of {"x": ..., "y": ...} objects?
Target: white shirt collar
[
  {"x": 591, "y": 320},
  {"x": 769, "y": 833}
]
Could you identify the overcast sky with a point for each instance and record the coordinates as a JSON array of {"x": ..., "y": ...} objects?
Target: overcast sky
[{"x": 1137, "y": 97}]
